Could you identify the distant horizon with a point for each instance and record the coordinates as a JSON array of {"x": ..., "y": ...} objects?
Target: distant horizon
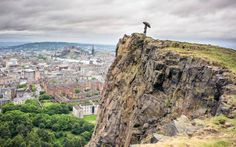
[
  {"x": 222, "y": 44},
  {"x": 28, "y": 42}
]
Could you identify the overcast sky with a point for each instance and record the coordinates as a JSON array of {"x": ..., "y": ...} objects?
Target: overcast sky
[{"x": 105, "y": 21}]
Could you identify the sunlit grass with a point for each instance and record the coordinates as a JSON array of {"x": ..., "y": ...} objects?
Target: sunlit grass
[
  {"x": 47, "y": 103},
  {"x": 223, "y": 57},
  {"x": 218, "y": 122},
  {"x": 90, "y": 118},
  {"x": 191, "y": 142}
]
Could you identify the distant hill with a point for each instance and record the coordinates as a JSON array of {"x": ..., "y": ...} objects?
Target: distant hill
[
  {"x": 57, "y": 45},
  {"x": 44, "y": 45},
  {"x": 72, "y": 53},
  {"x": 8, "y": 44}
]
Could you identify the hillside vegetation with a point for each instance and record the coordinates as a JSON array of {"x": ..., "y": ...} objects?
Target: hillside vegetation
[{"x": 221, "y": 56}]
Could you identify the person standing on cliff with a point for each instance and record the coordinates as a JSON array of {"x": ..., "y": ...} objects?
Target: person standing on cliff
[{"x": 146, "y": 25}]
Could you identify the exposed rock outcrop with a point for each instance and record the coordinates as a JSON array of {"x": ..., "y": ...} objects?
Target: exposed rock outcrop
[{"x": 147, "y": 87}]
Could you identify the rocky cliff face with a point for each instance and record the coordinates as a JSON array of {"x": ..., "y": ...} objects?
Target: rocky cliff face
[{"x": 149, "y": 86}]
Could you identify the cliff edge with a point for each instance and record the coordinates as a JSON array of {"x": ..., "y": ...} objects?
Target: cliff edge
[{"x": 158, "y": 89}]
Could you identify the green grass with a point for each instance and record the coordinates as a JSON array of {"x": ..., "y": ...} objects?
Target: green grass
[
  {"x": 218, "y": 143},
  {"x": 23, "y": 86},
  {"x": 90, "y": 118},
  {"x": 221, "y": 119},
  {"x": 222, "y": 56},
  {"x": 34, "y": 88},
  {"x": 73, "y": 103},
  {"x": 47, "y": 103},
  {"x": 194, "y": 142},
  {"x": 218, "y": 121}
]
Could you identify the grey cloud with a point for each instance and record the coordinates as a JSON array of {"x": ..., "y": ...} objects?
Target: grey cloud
[{"x": 103, "y": 21}]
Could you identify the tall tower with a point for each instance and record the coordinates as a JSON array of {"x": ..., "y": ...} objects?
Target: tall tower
[{"x": 93, "y": 51}]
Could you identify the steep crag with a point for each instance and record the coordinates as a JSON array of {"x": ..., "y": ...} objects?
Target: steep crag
[{"x": 149, "y": 85}]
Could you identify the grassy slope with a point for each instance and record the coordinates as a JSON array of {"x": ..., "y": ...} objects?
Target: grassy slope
[
  {"x": 90, "y": 118},
  {"x": 223, "y": 137},
  {"x": 193, "y": 142},
  {"x": 222, "y": 56}
]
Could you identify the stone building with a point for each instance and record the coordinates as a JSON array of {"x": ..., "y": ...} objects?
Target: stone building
[
  {"x": 11, "y": 63},
  {"x": 90, "y": 109},
  {"x": 78, "y": 111},
  {"x": 29, "y": 74},
  {"x": 81, "y": 110}
]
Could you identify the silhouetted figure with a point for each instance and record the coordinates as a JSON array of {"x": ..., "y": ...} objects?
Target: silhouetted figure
[{"x": 146, "y": 25}]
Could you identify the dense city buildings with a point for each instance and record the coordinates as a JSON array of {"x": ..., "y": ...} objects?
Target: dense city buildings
[{"x": 70, "y": 75}]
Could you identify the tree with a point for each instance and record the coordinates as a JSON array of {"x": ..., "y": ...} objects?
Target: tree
[
  {"x": 19, "y": 122},
  {"x": 46, "y": 144},
  {"x": 32, "y": 102},
  {"x": 33, "y": 139},
  {"x": 77, "y": 90},
  {"x": 45, "y": 97},
  {"x": 87, "y": 135},
  {"x": 41, "y": 92},
  {"x": 59, "y": 134},
  {"x": 77, "y": 129},
  {"x": 45, "y": 135},
  {"x": 88, "y": 127},
  {"x": 41, "y": 119},
  {"x": 57, "y": 109},
  {"x": 74, "y": 142},
  {"x": 23, "y": 86},
  {"x": 31, "y": 125},
  {"x": 29, "y": 108},
  {"x": 18, "y": 141},
  {"x": 4, "y": 130},
  {"x": 10, "y": 107},
  {"x": 33, "y": 88}
]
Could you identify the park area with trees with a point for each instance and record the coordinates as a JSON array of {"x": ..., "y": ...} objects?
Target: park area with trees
[{"x": 34, "y": 125}]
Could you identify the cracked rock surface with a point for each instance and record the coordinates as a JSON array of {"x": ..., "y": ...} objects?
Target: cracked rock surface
[{"x": 147, "y": 87}]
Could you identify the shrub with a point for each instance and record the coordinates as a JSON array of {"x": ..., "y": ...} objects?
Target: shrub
[
  {"x": 221, "y": 119},
  {"x": 77, "y": 90},
  {"x": 45, "y": 97}
]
